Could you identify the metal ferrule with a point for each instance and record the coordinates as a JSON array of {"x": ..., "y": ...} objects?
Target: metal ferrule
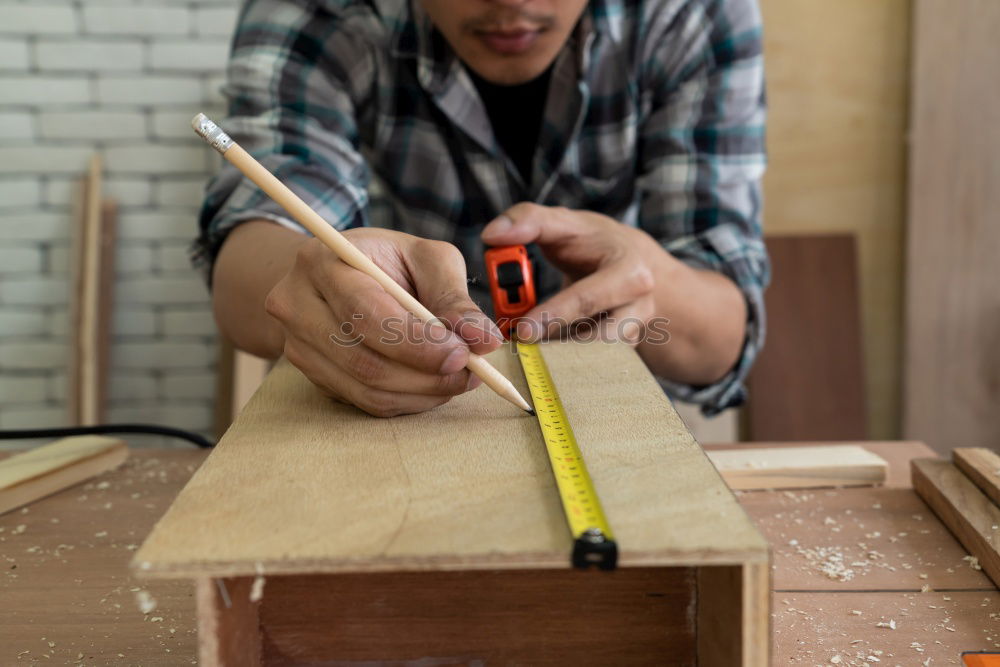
[{"x": 211, "y": 133}]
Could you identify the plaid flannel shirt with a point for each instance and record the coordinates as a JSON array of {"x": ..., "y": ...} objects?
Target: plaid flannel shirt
[{"x": 655, "y": 117}]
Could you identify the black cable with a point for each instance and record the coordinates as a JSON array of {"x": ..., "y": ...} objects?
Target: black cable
[{"x": 102, "y": 429}]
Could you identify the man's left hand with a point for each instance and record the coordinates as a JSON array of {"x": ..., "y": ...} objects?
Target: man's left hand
[{"x": 611, "y": 268}]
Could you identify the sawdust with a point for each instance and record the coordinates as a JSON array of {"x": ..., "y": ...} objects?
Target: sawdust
[{"x": 104, "y": 595}]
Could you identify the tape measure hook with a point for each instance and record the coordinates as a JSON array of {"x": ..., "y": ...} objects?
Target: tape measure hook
[{"x": 594, "y": 548}]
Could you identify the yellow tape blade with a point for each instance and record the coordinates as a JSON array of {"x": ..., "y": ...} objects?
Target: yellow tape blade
[{"x": 576, "y": 490}]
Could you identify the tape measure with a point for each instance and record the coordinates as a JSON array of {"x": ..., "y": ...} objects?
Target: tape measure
[{"x": 593, "y": 542}]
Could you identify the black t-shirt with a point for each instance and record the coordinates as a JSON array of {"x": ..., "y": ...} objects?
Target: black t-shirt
[{"x": 516, "y": 116}]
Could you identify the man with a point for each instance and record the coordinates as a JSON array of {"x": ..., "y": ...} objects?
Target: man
[{"x": 624, "y": 139}]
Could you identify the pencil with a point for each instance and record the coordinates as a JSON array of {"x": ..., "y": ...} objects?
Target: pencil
[{"x": 343, "y": 248}]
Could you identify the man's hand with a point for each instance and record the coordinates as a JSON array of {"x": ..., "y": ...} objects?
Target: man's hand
[
  {"x": 610, "y": 267},
  {"x": 621, "y": 278},
  {"x": 358, "y": 345}
]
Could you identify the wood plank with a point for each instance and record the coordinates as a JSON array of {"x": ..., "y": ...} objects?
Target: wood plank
[
  {"x": 967, "y": 512},
  {"x": 64, "y": 576},
  {"x": 239, "y": 375},
  {"x": 228, "y": 623},
  {"x": 42, "y": 471},
  {"x": 896, "y": 453},
  {"x": 982, "y": 466},
  {"x": 808, "y": 382},
  {"x": 633, "y": 616},
  {"x": 303, "y": 485},
  {"x": 91, "y": 305},
  {"x": 858, "y": 539},
  {"x": 799, "y": 467},
  {"x": 734, "y": 615},
  {"x": 931, "y": 628},
  {"x": 951, "y": 359}
]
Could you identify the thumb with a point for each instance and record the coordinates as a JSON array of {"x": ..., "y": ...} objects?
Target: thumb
[{"x": 440, "y": 282}]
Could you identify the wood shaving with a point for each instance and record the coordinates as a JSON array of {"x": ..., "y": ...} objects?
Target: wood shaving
[
  {"x": 973, "y": 562},
  {"x": 145, "y": 601},
  {"x": 257, "y": 589}
]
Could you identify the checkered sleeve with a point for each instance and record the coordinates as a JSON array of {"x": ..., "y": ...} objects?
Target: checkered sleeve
[
  {"x": 702, "y": 156},
  {"x": 295, "y": 81}
]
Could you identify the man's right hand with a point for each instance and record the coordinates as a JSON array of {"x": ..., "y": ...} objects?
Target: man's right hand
[{"x": 359, "y": 346}]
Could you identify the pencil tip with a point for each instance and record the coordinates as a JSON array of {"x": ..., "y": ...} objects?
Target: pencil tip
[{"x": 531, "y": 412}]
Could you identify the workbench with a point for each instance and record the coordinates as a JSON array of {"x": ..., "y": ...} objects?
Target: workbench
[{"x": 849, "y": 568}]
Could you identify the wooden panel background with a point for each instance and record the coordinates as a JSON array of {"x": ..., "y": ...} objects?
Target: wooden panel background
[
  {"x": 808, "y": 383},
  {"x": 837, "y": 83},
  {"x": 952, "y": 386}
]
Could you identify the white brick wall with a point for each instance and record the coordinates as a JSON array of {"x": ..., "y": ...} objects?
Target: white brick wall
[{"x": 121, "y": 78}]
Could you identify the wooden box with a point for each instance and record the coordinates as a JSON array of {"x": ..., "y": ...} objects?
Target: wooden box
[{"x": 318, "y": 535}]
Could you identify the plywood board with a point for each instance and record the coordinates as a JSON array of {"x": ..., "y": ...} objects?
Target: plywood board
[
  {"x": 634, "y": 616},
  {"x": 64, "y": 572},
  {"x": 301, "y": 484},
  {"x": 858, "y": 539},
  {"x": 734, "y": 600},
  {"x": 952, "y": 363},
  {"x": 837, "y": 96},
  {"x": 799, "y": 467},
  {"x": 809, "y": 382},
  {"x": 930, "y": 628}
]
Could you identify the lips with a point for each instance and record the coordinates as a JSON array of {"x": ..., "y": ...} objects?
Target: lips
[{"x": 509, "y": 42}]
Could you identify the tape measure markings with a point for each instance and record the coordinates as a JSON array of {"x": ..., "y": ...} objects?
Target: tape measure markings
[{"x": 593, "y": 541}]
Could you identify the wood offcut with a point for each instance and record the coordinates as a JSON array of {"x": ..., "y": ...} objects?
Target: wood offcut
[
  {"x": 42, "y": 471},
  {"x": 982, "y": 466},
  {"x": 968, "y": 512},
  {"x": 799, "y": 467}
]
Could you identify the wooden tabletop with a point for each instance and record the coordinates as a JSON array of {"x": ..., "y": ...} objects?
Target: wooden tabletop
[{"x": 849, "y": 567}]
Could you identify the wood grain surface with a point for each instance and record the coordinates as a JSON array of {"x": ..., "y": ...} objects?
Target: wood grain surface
[
  {"x": 982, "y": 467},
  {"x": 896, "y": 453},
  {"x": 930, "y": 628},
  {"x": 808, "y": 382},
  {"x": 842, "y": 540},
  {"x": 952, "y": 364},
  {"x": 42, "y": 471},
  {"x": 84, "y": 599},
  {"x": 301, "y": 484},
  {"x": 632, "y": 616},
  {"x": 970, "y": 515},
  {"x": 93, "y": 298},
  {"x": 799, "y": 467},
  {"x": 228, "y": 623},
  {"x": 65, "y": 586},
  {"x": 734, "y": 615},
  {"x": 837, "y": 97}
]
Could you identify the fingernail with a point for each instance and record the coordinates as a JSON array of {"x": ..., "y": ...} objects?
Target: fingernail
[
  {"x": 499, "y": 225},
  {"x": 454, "y": 362},
  {"x": 487, "y": 330}
]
